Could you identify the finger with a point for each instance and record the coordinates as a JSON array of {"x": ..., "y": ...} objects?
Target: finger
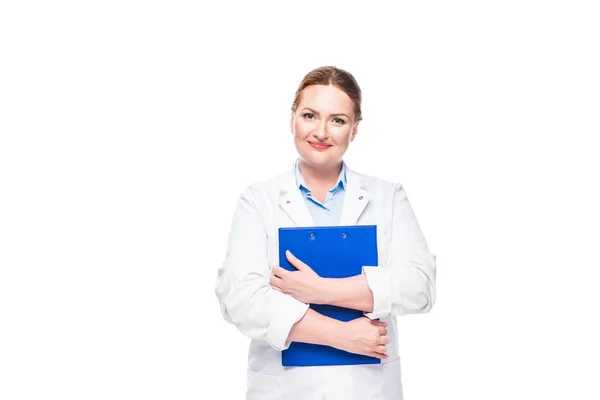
[
  {"x": 296, "y": 262},
  {"x": 277, "y": 288},
  {"x": 383, "y": 331},
  {"x": 277, "y": 270},
  {"x": 381, "y": 349},
  {"x": 379, "y": 355},
  {"x": 275, "y": 281},
  {"x": 383, "y": 340},
  {"x": 378, "y": 323}
]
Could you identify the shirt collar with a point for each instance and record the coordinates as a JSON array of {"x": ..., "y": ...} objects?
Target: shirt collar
[{"x": 300, "y": 182}]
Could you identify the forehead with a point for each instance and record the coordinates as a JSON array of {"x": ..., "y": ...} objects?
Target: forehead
[{"x": 326, "y": 98}]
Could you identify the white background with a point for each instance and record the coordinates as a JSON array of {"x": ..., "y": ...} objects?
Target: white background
[{"x": 129, "y": 129}]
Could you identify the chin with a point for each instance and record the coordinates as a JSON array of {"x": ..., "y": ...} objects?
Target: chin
[{"x": 319, "y": 160}]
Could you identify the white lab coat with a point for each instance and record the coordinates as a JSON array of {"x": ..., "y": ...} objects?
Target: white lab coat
[{"x": 403, "y": 283}]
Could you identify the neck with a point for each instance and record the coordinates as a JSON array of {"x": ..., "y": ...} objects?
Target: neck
[{"x": 319, "y": 177}]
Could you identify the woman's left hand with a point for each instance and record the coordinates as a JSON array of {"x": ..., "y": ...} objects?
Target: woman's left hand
[{"x": 304, "y": 284}]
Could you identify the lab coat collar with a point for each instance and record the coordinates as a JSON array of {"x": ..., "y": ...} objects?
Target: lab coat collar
[
  {"x": 291, "y": 201},
  {"x": 300, "y": 182}
]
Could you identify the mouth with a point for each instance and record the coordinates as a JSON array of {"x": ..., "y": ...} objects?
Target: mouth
[{"x": 320, "y": 146}]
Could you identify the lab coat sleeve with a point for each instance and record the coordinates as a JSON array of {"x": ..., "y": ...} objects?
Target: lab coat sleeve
[
  {"x": 406, "y": 285},
  {"x": 243, "y": 286}
]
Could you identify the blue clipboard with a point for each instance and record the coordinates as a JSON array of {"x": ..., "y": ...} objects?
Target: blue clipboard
[{"x": 332, "y": 252}]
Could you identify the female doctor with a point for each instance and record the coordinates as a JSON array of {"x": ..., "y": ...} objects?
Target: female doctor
[{"x": 270, "y": 304}]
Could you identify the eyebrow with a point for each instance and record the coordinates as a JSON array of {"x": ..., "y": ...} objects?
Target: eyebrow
[{"x": 333, "y": 115}]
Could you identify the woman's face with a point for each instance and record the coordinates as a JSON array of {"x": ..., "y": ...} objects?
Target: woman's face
[{"x": 323, "y": 125}]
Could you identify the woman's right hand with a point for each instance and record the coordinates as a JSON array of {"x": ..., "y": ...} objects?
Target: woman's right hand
[{"x": 364, "y": 336}]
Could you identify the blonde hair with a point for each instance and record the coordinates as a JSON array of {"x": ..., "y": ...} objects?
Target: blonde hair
[{"x": 341, "y": 79}]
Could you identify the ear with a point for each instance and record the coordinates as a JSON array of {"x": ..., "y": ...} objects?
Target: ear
[
  {"x": 292, "y": 123},
  {"x": 354, "y": 131}
]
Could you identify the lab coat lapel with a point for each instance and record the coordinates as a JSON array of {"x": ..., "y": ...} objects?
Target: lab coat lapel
[
  {"x": 292, "y": 202},
  {"x": 355, "y": 199}
]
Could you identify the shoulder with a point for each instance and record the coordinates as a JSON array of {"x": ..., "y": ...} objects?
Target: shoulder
[
  {"x": 374, "y": 183},
  {"x": 388, "y": 195},
  {"x": 269, "y": 186}
]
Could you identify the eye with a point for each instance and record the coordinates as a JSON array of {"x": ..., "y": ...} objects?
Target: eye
[
  {"x": 308, "y": 115},
  {"x": 339, "y": 121}
]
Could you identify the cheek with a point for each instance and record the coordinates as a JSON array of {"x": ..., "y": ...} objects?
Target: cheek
[
  {"x": 301, "y": 128},
  {"x": 341, "y": 136}
]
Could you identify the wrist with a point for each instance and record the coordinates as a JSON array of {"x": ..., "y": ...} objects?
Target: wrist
[
  {"x": 335, "y": 336},
  {"x": 325, "y": 290}
]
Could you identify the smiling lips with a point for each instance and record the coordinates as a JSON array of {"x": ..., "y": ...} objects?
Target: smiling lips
[{"x": 319, "y": 146}]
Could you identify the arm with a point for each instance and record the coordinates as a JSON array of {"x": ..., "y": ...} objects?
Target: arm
[
  {"x": 406, "y": 285},
  {"x": 315, "y": 328},
  {"x": 305, "y": 285},
  {"x": 352, "y": 292},
  {"x": 245, "y": 295},
  {"x": 359, "y": 336}
]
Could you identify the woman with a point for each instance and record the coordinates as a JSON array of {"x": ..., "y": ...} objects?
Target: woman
[{"x": 270, "y": 304}]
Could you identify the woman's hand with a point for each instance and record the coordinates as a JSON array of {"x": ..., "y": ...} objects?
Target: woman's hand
[
  {"x": 364, "y": 336},
  {"x": 304, "y": 284}
]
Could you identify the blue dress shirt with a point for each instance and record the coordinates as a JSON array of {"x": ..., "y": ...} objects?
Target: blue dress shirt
[{"x": 329, "y": 212}]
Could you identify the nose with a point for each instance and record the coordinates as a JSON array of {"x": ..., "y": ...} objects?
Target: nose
[{"x": 321, "y": 132}]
